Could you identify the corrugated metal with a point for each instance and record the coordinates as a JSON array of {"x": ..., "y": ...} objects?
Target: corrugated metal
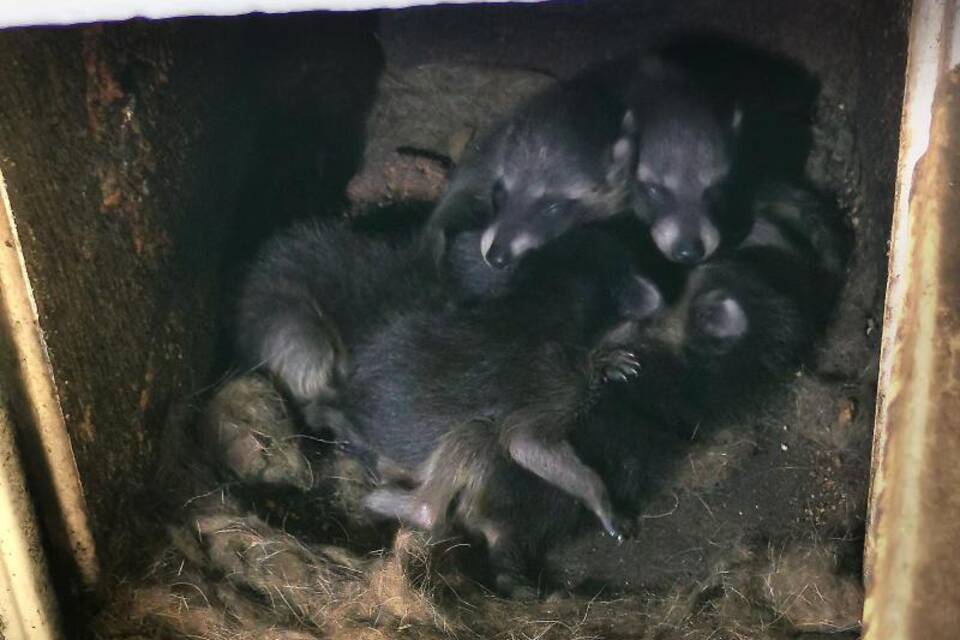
[
  {"x": 27, "y": 609},
  {"x": 28, "y": 367},
  {"x": 912, "y": 568}
]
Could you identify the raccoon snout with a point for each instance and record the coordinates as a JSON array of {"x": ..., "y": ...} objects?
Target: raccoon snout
[
  {"x": 492, "y": 251},
  {"x": 687, "y": 251},
  {"x": 500, "y": 251},
  {"x": 498, "y": 256},
  {"x": 684, "y": 241}
]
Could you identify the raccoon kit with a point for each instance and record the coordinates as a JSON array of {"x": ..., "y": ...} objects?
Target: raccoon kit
[
  {"x": 606, "y": 232},
  {"x": 735, "y": 322},
  {"x": 637, "y": 134},
  {"x": 634, "y": 134}
]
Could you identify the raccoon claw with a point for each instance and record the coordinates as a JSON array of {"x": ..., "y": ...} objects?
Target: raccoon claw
[
  {"x": 619, "y": 365},
  {"x": 620, "y": 529},
  {"x": 365, "y": 456}
]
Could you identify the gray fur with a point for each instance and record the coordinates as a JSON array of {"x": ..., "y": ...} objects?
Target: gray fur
[
  {"x": 551, "y": 166},
  {"x": 313, "y": 292},
  {"x": 739, "y": 321},
  {"x": 683, "y": 145}
]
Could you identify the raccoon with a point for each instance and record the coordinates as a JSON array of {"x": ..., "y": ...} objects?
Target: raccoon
[
  {"x": 315, "y": 290},
  {"x": 513, "y": 479},
  {"x": 683, "y": 167},
  {"x": 740, "y": 320},
  {"x": 554, "y": 164},
  {"x": 633, "y": 134},
  {"x": 537, "y": 352}
]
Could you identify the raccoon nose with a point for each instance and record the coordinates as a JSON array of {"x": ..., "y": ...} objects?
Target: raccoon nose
[
  {"x": 499, "y": 256},
  {"x": 688, "y": 251}
]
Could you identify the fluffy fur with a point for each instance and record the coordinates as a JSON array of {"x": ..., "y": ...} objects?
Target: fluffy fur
[
  {"x": 738, "y": 321},
  {"x": 426, "y": 371},
  {"x": 552, "y": 165},
  {"x": 634, "y": 134},
  {"x": 318, "y": 288}
]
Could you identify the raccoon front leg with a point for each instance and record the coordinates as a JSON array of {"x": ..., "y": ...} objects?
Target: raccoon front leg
[
  {"x": 617, "y": 365},
  {"x": 610, "y": 361}
]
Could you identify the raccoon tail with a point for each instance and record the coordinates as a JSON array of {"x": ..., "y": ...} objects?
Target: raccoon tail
[{"x": 806, "y": 223}]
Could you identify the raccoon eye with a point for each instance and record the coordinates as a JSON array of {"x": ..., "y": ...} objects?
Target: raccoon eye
[
  {"x": 716, "y": 196},
  {"x": 553, "y": 208},
  {"x": 498, "y": 195},
  {"x": 653, "y": 192}
]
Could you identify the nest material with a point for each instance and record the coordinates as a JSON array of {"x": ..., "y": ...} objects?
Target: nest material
[
  {"x": 226, "y": 572},
  {"x": 232, "y": 576},
  {"x": 248, "y": 432}
]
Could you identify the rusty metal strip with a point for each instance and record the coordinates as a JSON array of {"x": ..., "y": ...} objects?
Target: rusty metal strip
[
  {"x": 28, "y": 608},
  {"x": 41, "y": 404},
  {"x": 912, "y": 567}
]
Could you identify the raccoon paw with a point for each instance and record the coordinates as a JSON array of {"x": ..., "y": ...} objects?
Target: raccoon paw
[{"x": 618, "y": 365}]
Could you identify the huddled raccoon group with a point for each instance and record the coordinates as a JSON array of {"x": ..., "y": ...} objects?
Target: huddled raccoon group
[{"x": 623, "y": 253}]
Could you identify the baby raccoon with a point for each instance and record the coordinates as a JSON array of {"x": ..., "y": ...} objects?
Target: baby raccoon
[
  {"x": 538, "y": 351},
  {"x": 552, "y": 165},
  {"x": 635, "y": 133},
  {"x": 739, "y": 320},
  {"x": 682, "y": 170},
  {"x": 513, "y": 478}
]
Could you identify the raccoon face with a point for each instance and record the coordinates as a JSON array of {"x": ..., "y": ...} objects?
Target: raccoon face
[
  {"x": 548, "y": 179},
  {"x": 528, "y": 216},
  {"x": 681, "y": 185}
]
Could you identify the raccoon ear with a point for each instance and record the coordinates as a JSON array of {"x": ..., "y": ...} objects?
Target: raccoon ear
[
  {"x": 621, "y": 160},
  {"x": 737, "y": 120},
  {"x": 628, "y": 127},
  {"x": 622, "y": 151}
]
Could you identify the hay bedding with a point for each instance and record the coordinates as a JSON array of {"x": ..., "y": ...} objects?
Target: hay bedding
[{"x": 272, "y": 545}]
